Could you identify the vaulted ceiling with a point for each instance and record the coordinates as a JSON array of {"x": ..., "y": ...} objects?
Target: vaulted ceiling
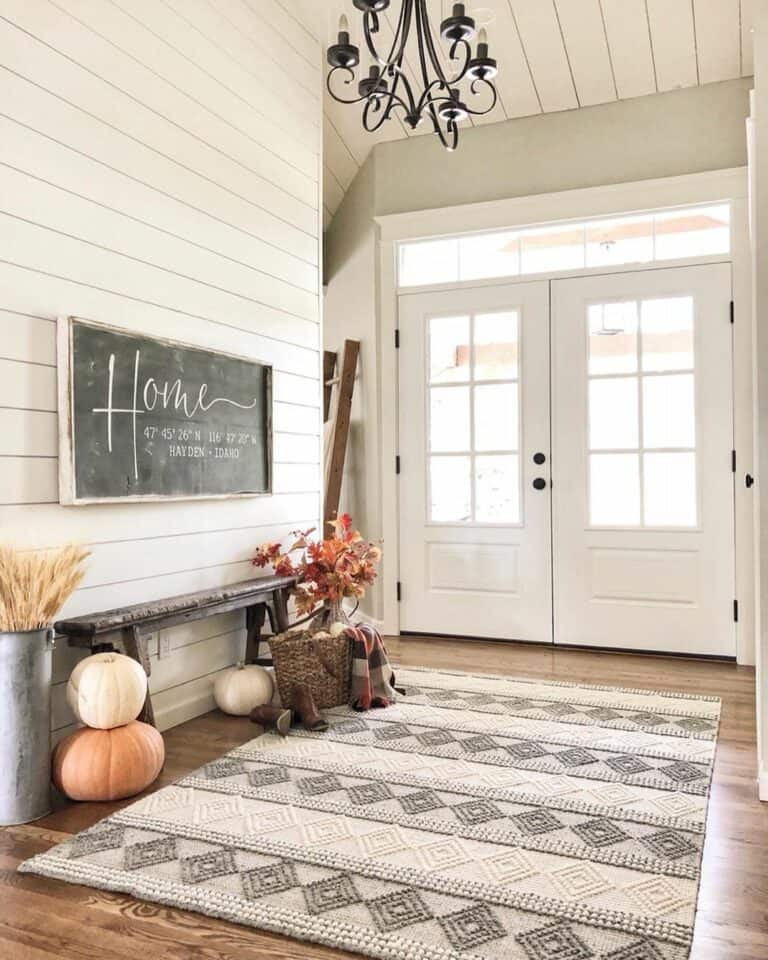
[{"x": 555, "y": 55}]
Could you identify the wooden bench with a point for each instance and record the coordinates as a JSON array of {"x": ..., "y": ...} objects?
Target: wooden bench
[{"x": 131, "y": 627}]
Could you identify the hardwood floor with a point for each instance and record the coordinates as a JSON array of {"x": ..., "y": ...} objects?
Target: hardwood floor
[{"x": 41, "y": 918}]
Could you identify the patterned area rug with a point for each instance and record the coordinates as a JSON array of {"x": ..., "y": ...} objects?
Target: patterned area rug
[{"x": 480, "y": 817}]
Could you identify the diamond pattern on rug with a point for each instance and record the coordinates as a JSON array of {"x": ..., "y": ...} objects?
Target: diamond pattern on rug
[
  {"x": 399, "y": 909},
  {"x": 96, "y": 840},
  {"x": 557, "y": 941},
  {"x": 628, "y": 764},
  {"x": 526, "y": 750},
  {"x": 268, "y": 776},
  {"x": 218, "y": 769},
  {"x": 366, "y": 793},
  {"x": 422, "y": 802},
  {"x": 536, "y": 821},
  {"x": 331, "y": 894},
  {"x": 575, "y": 757},
  {"x": 207, "y": 866},
  {"x": 350, "y": 726},
  {"x": 268, "y": 879},
  {"x": 646, "y": 719},
  {"x": 314, "y": 786},
  {"x": 477, "y": 811},
  {"x": 435, "y": 738},
  {"x": 140, "y": 855},
  {"x": 478, "y": 744},
  {"x": 472, "y": 927},
  {"x": 599, "y": 833},
  {"x": 682, "y": 772},
  {"x": 669, "y": 844},
  {"x": 580, "y": 881},
  {"x": 559, "y": 709},
  {"x": 392, "y": 731},
  {"x": 695, "y": 725}
]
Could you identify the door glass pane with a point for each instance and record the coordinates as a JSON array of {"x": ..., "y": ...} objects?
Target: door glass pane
[
  {"x": 433, "y": 261},
  {"x": 667, "y": 333},
  {"x": 448, "y": 349},
  {"x": 489, "y": 255},
  {"x": 496, "y": 416},
  {"x": 622, "y": 240},
  {"x": 693, "y": 233},
  {"x": 614, "y": 489},
  {"x": 449, "y": 419},
  {"x": 669, "y": 418},
  {"x": 613, "y": 414},
  {"x": 552, "y": 248},
  {"x": 496, "y": 346},
  {"x": 612, "y": 337},
  {"x": 450, "y": 489},
  {"x": 669, "y": 488},
  {"x": 497, "y": 489}
]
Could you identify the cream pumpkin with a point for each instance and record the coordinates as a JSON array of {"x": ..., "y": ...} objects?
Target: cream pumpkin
[
  {"x": 239, "y": 690},
  {"x": 108, "y": 765},
  {"x": 107, "y": 690}
]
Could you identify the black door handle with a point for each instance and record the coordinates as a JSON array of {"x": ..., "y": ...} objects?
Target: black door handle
[
  {"x": 539, "y": 483},
  {"x": 749, "y": 481},
  {"x": 539, "y": 458}
]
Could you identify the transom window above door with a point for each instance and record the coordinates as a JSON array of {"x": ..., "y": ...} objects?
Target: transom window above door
[
  {"x": 642, "y": 421},
  {"x": 473, "y": 364},
  {"x": 678, "y": 234}
]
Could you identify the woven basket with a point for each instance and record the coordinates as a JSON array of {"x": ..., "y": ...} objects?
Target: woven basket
[{"x": 316, "y": 659}]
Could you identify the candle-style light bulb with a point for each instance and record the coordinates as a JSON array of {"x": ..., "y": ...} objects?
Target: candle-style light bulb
[
  {"x": 482, "y": 43},
  {"x": 343, "y": 24}
]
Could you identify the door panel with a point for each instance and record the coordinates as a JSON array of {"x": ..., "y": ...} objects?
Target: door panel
[
  {"x": 642, "y": 435},
  {"x": 474, "y": 409}
]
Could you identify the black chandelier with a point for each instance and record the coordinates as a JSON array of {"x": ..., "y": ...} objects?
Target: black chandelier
[{"x": 386, "y": 88}]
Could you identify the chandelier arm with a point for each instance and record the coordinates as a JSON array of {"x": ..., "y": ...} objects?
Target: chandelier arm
[
  {"x": 428, "y": 96},
  {"x": 495, "y": 97},
  {"x": 434, "y": 56},
  {"x": 395, "y": 60},
  {"x": 336, "y": 97},
  {"x": 374, "y": 106},
  {"x": 467, "y": 59}
]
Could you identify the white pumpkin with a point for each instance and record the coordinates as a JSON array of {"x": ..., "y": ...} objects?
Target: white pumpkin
[
  {"x": 107, "y": 690},
  {"x": 239, "y": 690}
]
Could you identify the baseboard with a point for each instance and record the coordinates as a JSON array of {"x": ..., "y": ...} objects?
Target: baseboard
[
  {"x": 762, "y": 784},
  {"x": 372, "y": 621},
  {"x": 194, "y": 706}
]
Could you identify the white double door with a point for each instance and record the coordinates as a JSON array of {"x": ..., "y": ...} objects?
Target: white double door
[{"x": 565, "y": 453}]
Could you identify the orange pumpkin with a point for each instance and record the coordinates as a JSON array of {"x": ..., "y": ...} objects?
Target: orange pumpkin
[{"x": 108, "y": 764}]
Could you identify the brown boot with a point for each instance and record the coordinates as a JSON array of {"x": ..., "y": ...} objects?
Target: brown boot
[
  {"x": 306, "y": 711},
  {"x": 272, "y": 718}
]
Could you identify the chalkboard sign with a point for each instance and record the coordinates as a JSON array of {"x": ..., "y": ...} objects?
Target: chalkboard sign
[{"x": 146, "y": 418}]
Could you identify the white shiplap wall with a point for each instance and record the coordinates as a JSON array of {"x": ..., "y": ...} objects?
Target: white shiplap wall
[{"x": 159, "y": 170}]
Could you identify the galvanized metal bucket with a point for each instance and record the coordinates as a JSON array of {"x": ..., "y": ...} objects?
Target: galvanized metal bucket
[{"x": 26, "y": 666}]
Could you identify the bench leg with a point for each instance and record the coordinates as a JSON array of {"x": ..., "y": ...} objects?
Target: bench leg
[
  {"x": 281, "y": 610},
  {"x": 136, "y": 648},
  {"x": 254, "y": 621}
]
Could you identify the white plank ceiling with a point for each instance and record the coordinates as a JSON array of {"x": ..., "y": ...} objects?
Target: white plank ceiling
[{"x": 553, "y": 55}]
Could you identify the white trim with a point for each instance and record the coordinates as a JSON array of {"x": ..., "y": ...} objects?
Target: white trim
[{"x": 710, "y": 187}]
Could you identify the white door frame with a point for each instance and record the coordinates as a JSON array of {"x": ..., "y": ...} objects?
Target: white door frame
[{"x": 723, "y": 185}]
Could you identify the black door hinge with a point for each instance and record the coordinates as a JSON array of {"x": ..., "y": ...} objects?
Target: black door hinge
[
  {"x": 399, "y": 591},
  {"x": 733, "y": 312},
  {"x": 735, "y": 611},
  {"x": 397, "y": 338},
  {"x": 733, "y": 461},
  {"x": 397, "y": 464}
]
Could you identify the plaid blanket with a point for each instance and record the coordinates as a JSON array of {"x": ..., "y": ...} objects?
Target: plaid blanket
[{"x": 372, "y": 683}]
